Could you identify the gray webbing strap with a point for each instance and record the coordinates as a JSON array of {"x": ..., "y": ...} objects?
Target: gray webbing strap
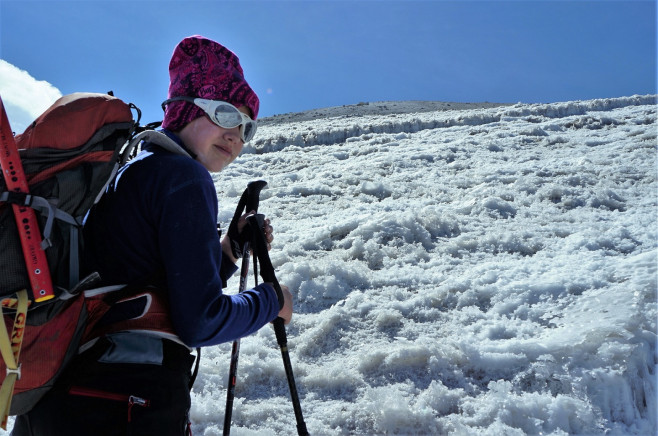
[
  {"x": 74, "y": 256},
  {"x": 51, "y": 212},
  {"x": 154, "y": 137},
  {"x": 46, "y": 208}
]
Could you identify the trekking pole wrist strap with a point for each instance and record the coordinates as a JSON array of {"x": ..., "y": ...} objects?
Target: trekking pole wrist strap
[
  {"x": 279, "y": 294},
  {"x": 248, "y": 202},
  {"x": 259, "y": 247}
]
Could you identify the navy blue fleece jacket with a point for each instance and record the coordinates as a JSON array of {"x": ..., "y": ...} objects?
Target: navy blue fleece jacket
[{"x": 158, "y": 224}]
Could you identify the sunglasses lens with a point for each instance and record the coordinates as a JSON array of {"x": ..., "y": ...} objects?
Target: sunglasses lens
[
  {"x": 227, "y": 116},
  {"x": 249, "y": 130}
]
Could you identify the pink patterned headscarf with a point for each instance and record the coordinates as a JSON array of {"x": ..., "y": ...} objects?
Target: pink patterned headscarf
[{"x": 203, "y": 68}]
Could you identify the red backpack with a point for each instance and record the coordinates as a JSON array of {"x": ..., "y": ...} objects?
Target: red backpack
[{"x": 68, "y": 157}]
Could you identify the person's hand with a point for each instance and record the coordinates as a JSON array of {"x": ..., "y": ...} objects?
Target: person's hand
[
  {"x": 286, "y": 312},
  {"x": 236, "y": 237},
  {"x": 233, "y": 242},
  {"x": 268, "y": 230}
]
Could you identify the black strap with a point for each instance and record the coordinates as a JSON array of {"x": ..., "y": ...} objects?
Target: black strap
[
  {"x": 248, "y": 202},
  {"x": 196, "y": 367},
  {"x": 259, "y": 245}
]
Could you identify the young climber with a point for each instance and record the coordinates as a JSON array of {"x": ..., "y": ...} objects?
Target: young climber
[{"x": 155, "y": 229}]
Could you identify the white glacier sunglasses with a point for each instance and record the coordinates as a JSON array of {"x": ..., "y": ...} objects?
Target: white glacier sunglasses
[{"x": 223, "y": 114}]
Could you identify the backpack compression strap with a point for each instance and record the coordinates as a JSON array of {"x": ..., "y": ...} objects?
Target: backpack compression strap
[
  {"x": 51, "y": 213},
  {"x": 26, "y": 220},
  {"x": 10, "y": 348}
]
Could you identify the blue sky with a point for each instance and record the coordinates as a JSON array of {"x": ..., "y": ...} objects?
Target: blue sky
[{"x": 300, "y": 55}]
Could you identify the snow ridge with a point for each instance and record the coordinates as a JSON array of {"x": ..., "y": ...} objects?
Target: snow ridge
[{"x": 273, "y": 138}]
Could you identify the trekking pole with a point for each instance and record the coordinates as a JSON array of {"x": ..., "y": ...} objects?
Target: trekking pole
[
  {"x": 267, "y": 273},
  {"x": 248, "y": 200}
]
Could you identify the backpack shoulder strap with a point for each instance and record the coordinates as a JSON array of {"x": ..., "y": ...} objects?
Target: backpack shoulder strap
[{"x": 154, "y": 137}]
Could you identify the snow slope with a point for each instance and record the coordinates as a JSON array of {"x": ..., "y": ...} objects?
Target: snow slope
[{"x": 485, "y": 271}]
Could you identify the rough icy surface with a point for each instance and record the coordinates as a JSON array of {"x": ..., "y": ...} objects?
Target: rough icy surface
[{"x": 479, "y": 271}]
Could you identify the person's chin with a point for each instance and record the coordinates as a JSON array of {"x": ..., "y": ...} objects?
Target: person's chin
[{"x": 217, "y": 166}]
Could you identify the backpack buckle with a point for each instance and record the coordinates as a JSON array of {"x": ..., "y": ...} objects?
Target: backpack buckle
[
  {"x": 16, "y": 371},
  {"x": 19, "y": 198}
]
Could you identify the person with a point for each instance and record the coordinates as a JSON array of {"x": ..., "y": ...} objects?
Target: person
[{"x": 155, "y": 229}]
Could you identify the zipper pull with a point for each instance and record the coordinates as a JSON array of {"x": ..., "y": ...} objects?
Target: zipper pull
[{"x": 133, "y": 400}]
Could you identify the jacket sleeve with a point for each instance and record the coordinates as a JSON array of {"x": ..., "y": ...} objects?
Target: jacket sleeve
[
  {"x": 226, "y": 270},
  {"x": 190, "y": 248}
]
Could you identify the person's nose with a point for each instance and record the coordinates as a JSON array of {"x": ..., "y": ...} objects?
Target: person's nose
[{"x": 233, "y": 136}]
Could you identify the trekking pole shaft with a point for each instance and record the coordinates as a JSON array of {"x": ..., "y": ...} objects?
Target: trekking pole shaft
[
  {"x": 235, "y": 351},
  {"x": 268, "y": 275},
  {"x": 282, "y": 340},
  {"x": 249, "y": 200},
  {"x": 230, "y": 390}
]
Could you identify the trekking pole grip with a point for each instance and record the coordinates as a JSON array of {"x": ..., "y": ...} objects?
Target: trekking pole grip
[
  {"x": 259, "y": 246},
  {"x": 253, "y": 194},
  {"x": 280, "y": 332},
  {"x": 249, "y": 199}
]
